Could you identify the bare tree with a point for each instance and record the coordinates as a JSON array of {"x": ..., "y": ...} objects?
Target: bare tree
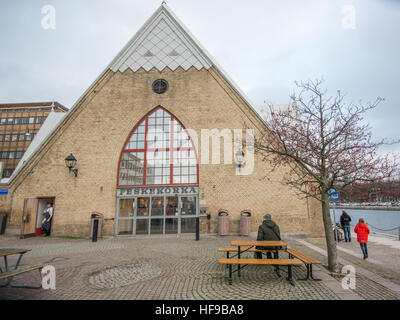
[{"x": 325, "y": 144}]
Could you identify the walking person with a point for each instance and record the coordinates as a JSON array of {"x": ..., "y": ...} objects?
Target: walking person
[
  {"x": 268, "y": 231},
  {"x": 48, "y": 213},
  {"x": 362, "y": 231},
  {"x": 345, "y": 220}
]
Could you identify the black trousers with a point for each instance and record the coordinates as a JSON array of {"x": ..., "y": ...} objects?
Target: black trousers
[{"x": 46, "y": 228}]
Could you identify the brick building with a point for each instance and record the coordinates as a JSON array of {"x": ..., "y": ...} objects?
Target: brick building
[
  {"x": 141, "y": 158},
  {"x": 19, "y": 123}
]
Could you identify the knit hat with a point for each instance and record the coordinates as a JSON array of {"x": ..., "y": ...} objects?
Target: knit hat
[{"x": 267, "y": 217}]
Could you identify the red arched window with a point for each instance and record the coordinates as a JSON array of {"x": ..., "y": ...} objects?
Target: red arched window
[{"x": 159, "y": 151}]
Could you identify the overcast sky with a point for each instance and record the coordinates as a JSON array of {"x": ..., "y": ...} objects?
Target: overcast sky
[{"x": 264, "y": 45}]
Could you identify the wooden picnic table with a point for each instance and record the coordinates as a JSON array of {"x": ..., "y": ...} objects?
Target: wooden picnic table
[
  {"x": 296, "y": 257},
  {"x": 10, "y": 252},
  {"x": 252, "y": 244},
  {"x": 5, "y": 253}
]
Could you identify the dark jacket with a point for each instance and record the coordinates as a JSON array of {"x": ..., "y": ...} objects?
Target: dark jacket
[
  {"x": 345, "y": 220},
  {"x": 268, "y": 231}
]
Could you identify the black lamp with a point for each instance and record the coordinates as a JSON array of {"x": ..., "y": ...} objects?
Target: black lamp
[{"x": 70, "y": 162}]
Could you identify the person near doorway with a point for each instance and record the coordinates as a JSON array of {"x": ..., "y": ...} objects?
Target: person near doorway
[
  {"x": 268, "y": 231},
  {"x": 362, "y": 231},
  {"x": 345, "y": 220},
  {"x": 48, "y": 213}
]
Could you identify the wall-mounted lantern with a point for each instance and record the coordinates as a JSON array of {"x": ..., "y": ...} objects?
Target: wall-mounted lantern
[
  {"x": 239, "y": 158},
  {"x": 70, "y": 162}
]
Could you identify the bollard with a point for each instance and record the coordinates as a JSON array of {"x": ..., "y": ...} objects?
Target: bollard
[
  {"x": 95, "y": 230},
  {"x": 197, "y": 228}
]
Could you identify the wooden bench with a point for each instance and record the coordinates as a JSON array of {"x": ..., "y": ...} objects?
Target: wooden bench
[
  {"x": 307, "y": 260},
  {"x": 235, "y": 250},
  {"x": 272, "y": 262},
  {"x": 11, "y": 274}
]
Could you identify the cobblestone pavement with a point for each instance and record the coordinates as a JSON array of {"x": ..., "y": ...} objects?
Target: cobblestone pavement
[
  {"x": 371, "y": 290},
  {"x": 367, "y": 288},
  {"x": 153, "y": 269}
]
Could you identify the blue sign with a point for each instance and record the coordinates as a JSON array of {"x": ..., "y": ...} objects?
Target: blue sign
[
  {"x": 3, "y": 191},
  {"x": 333, "y": 194}
]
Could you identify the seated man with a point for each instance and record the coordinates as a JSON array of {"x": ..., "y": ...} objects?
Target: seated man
[{"x": 268, "y": 231}]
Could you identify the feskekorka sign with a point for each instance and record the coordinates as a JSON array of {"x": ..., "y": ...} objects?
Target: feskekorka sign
[{"x": 157, "y": 191}]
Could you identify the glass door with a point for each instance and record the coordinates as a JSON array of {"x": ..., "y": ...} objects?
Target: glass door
[
  {"x": 142, "y": 216},
  {"x": 171, "y": 215},
  {"x": 126, "y": 214},
  {"x": 157, "y": 215},
  {"x": 188, "y": 214}
]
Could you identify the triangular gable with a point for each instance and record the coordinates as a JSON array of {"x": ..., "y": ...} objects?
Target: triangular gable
[
  {"x": 161, "y": 43},
  {"x": 125, "y": 59}
]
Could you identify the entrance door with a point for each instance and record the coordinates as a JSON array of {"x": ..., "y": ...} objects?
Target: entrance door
[
  {"x": 29, "y": 218},
  {"x": 158, "y": 215},
  {"x": 181, "y": 214},
  {"x": 142, "y": 216},
  {"x": 127, "y": 209},
  {"x": 42, "y": 204},
  {"x": 172, "y": 215},
  {"x": 188, "y": 213}
]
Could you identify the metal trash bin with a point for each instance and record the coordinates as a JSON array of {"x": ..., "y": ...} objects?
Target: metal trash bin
[
  {"x": 3, "y": 222},
  {"x": 223, "y": 222},
  {"x": 96, "y": 226},
  {"x": 245, "y": 223}
]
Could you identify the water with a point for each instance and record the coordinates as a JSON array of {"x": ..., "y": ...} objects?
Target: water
[{"x": 376, "y": 219}]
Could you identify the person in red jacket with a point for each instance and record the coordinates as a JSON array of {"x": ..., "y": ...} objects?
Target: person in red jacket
[{"x": 362, "y": 231}]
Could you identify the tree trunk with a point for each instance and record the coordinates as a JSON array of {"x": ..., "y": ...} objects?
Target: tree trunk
[{"x": 329, "y": 235}]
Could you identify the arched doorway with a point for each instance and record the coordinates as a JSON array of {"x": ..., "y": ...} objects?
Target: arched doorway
[{"x": 158, "y": 178}]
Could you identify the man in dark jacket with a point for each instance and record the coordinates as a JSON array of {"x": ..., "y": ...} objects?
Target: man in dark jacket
[
  {"x": 345, "y": 223},
  {"x": 268, "y": 231}
]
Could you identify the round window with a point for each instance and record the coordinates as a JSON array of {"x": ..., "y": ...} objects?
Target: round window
[{"x": 160, "y": 86}]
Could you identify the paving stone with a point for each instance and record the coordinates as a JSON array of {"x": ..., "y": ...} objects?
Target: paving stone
[{"x": 154, "y": 269}]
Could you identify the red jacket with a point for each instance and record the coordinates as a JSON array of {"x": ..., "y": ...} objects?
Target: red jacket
[{"x": 362, "y": 231}]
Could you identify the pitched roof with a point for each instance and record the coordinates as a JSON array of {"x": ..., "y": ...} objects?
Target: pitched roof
[
  {"x": 52, "y": 121},
  {"x": 149, "y": 49}
]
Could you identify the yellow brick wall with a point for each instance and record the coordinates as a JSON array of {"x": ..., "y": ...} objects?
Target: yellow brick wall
[{"x": 95, "y": 132}]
